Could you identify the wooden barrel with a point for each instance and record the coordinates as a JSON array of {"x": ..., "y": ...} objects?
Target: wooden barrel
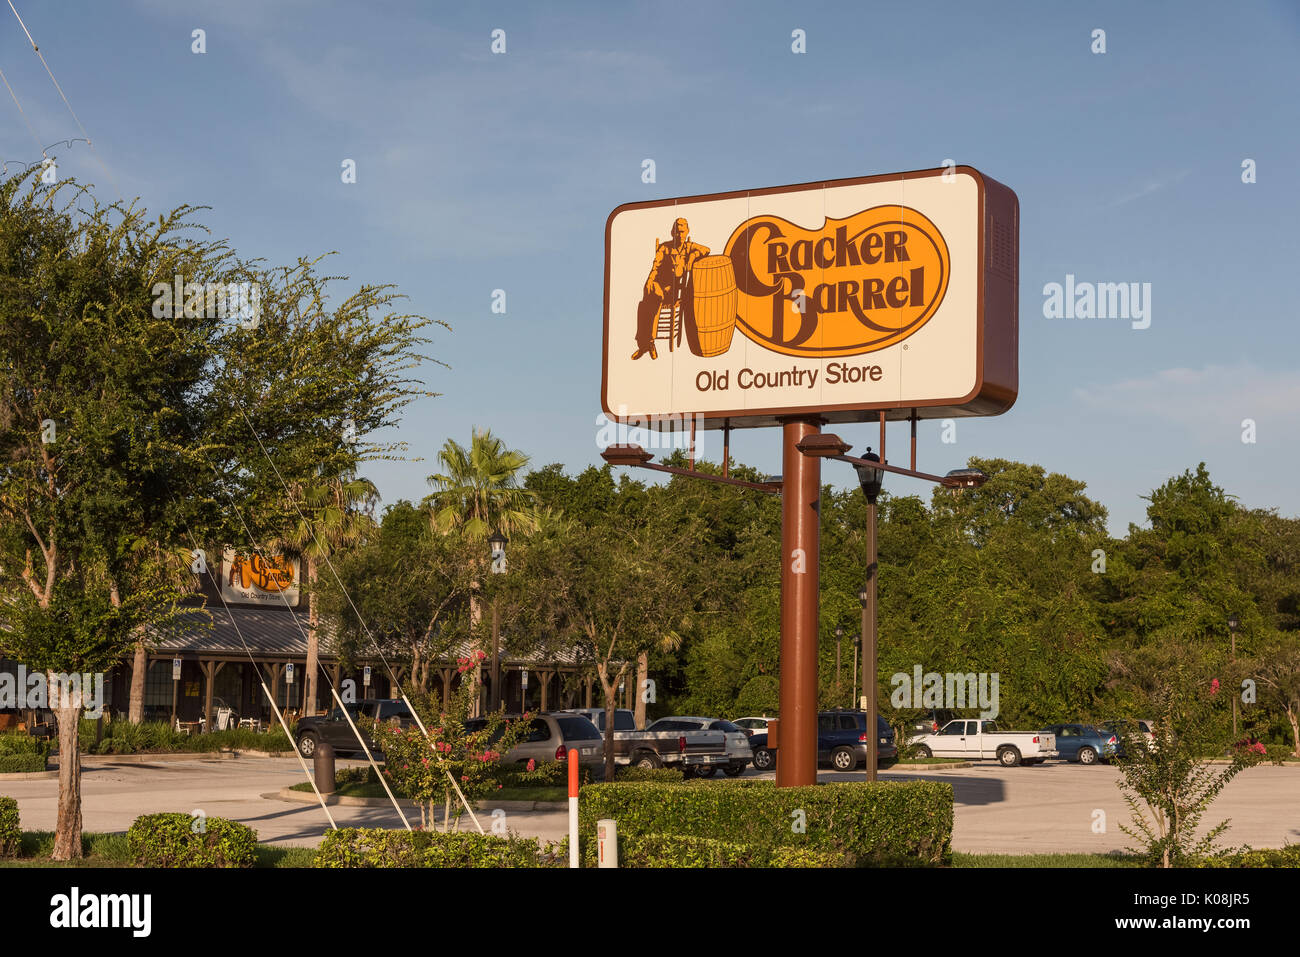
[{"x": 714, "y": 284}]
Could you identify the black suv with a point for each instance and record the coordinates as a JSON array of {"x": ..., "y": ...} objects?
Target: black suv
[
  {"x": 841, "y": 742},
  {"x": 333, "y": 729}
]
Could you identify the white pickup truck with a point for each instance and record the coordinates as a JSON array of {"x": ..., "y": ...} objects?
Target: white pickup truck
[{"x": 977, "y": 739}]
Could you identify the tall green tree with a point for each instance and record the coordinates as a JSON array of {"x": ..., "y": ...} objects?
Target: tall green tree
[
  {"x": 301, "y": 396},
  {"x": 479, "y": 493},
  {"x": 99, "y": 396},
  {"x": 403, "y": 593}
]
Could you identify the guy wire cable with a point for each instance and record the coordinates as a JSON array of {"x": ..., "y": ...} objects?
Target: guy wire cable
[
  {"x": 262, "y": 554},
  {"x": 374, "y": 641},
  {"x": 37, "y": 49},
  {"x": 256, "y": 667}
]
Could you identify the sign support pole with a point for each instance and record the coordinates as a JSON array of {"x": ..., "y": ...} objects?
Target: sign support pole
[{"x": 800, "y": 554}]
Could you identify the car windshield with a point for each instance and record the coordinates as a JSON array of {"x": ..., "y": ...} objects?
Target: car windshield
[
  {"x": 577, "y": 728},
  {"x": 724, "y": 726}
]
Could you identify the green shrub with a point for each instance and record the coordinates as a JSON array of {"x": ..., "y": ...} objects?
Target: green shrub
[
  {"x": 375, "y": 847},
  {"x": 860, "y": 824},
  {"x": 628, "y": 772},
  {"x": 553, "y": 774},
  {"x": 22, "y": 744},
  {"x": 15, "y": 763},
  {"x": 11, "y": 832},
  {"x": 1280, "y": 753},
  {"x": 679, "y": 850},
  {"x": 151, "y": 737},
  {"x": 1288, "y": 856},
  {"x": 176, "y": 840}
]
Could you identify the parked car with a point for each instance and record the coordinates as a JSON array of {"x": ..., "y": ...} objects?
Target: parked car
[
  {"x": 928, "y": 723},
  {"x": 978, "y": 739},
  {"x": 333, "y": 729},
  {"x": 550, "y": 736},
  {"x": 751, "y": 725},
  {"x": 738, "y": 751},
  {"x": 842, "y": 742},
  {"x": 624, "y": 718},
  {"x": 1142, "y": 728},
  {"x": 685, "y": 746},
  {"x": 1083, "y": 743}
]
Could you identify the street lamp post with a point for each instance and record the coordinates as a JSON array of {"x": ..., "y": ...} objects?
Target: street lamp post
[
  {"x": 871, "y": 480},
  {"x": 857, "y": 648},
  {"x": 839, "y": 643},
  {"x": 497, "y": 542},
  {"x": 1233, "y": 624}
]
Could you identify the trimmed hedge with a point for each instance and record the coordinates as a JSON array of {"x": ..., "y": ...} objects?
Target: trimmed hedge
[
  {"x": 679, "y": 850},
  {"x": 21, "y": 752},
  {"x": 376, "y": 847},
  {"x": 859, "y": 824},
  {"x": 1288, "y": 856},
  {"x": 159, "y": 737},
  {"x": 16, "y": 763},
  {"x": 11, "y": 832},
  {"x": 630, "y": 772},
  {"x": 171, "y": 840}
]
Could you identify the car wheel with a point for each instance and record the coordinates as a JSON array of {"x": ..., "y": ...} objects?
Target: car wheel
[
  {"x": 734, "y": 770},
  {"x": 923, "y": 752},
  {"x": 1087, "y": 756},
  {"x": 844, "y": 760},
  {"x": 307, "y": 744},
  {"x": 764, "y": 760},
  {"x": 647, "y": 759},
  {"x": 705, "y": 772},
  {"x": 1008, "y": 757}
]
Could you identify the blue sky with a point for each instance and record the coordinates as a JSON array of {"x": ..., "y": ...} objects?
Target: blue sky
[{"x": 478, "y": 171}]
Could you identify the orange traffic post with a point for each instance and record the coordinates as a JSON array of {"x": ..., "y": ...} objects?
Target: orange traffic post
[
  {"x": 573, "y": 807},
  {"x": 800, "y": 544}
]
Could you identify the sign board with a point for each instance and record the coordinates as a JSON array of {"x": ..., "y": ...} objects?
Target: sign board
[
  {"x": 252, "y": 579},
  {"x": 176, "y": 669},
  {"x": 840, "y": 299},
  {"x": 524, "y": 679},
  {"x": 288, "y": 673},
  {"x": 365, "y": 676}
]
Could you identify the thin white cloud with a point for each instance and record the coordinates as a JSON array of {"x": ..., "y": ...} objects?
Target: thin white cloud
[
  {"x": 1213, "y": 396},
  {"x": 1152, "y": 186}
]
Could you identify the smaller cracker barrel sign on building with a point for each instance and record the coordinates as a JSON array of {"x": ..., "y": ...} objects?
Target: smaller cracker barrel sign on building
[
  {"x": 252, "y": 579},
  {"x": 842, "y": 298}
]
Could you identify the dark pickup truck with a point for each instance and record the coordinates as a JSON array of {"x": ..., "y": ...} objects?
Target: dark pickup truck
[{"x": 333, "y": 729}]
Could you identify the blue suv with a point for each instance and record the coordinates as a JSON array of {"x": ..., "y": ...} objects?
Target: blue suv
[{"x": 841, "y": 742}]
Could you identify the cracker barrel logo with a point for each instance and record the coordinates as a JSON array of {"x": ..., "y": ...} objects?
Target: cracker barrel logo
[
  {"x": 856, "y": 285},
  {"x": 853, "y": 286},
  {"x": 257, "y": 572}
]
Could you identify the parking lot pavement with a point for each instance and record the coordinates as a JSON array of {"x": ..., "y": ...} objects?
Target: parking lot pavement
[
  {"x": 112, "y": 796},
  {"x": 1046, "y": 809},
  {"x": 1052, "y": 807}
]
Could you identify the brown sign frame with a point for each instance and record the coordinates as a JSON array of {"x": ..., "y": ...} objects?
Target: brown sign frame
[{"x": 997, "y": 319}]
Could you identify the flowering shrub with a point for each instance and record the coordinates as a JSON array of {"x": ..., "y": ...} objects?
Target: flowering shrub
[{"x": 423, "y": 768}]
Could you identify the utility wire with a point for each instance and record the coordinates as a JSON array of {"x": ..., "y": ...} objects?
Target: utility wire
[
  {"x": 26, "y": 121},
  {"x": 62, "y": 96}
]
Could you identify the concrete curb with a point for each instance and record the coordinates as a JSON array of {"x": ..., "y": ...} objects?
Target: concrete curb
[
  {"x": 927, "y": 767},
  {"x": 309, "y": 797},
  {"x": 28, "y": 775},
  {"x": 95, "y": 760}
]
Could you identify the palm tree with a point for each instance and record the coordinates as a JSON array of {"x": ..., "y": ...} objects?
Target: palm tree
[
  {"x": 333, "y": 513},
  {"x": 478, "y": 493}
]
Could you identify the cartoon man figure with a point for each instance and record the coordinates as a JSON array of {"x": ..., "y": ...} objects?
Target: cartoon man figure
[{"x": 666, "y": 284}]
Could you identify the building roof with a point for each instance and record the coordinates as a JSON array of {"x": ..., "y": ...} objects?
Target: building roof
[
  {"x": 267, "y": 633},
  {"x": 277, "y": 633}
]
